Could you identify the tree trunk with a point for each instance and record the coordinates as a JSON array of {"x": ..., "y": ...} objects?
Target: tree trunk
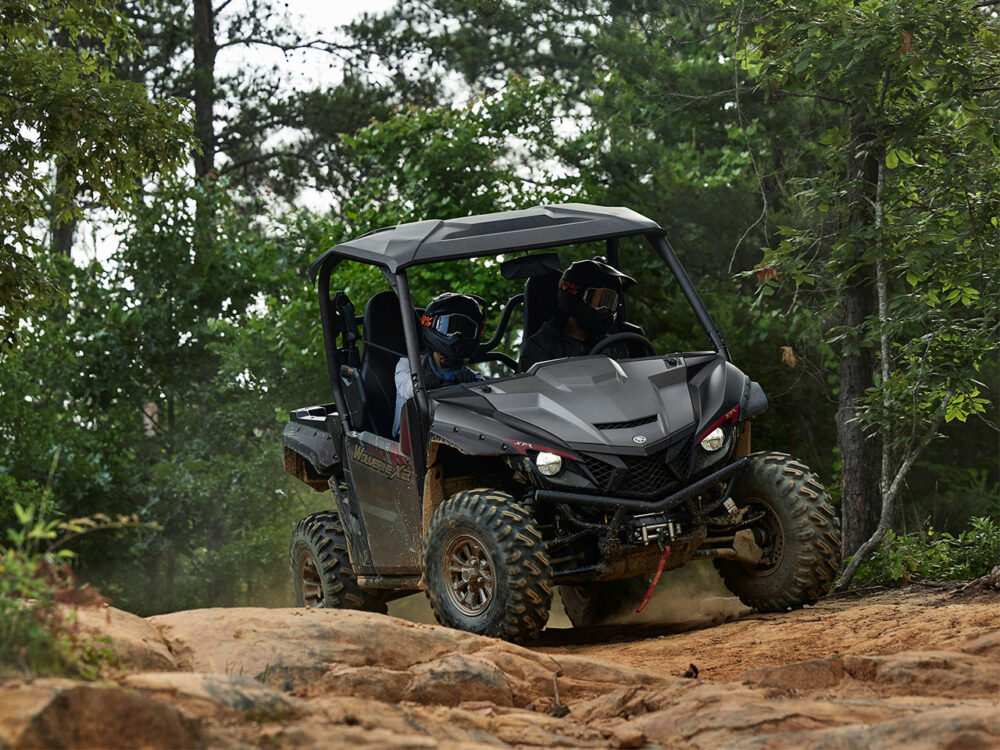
[
  {"x": 205, "y": 50},
  {"x": 62, "y": 231},
  {"x": 62, "y": 238},
  {"x": 860, "y": 454},
  {"x": 882, "y": 290}
]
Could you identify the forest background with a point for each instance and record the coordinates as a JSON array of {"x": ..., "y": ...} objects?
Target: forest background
[{"x": 827, "y": 171}]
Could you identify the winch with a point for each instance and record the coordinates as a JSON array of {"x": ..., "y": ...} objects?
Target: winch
[{"x": 654, "y": 527}]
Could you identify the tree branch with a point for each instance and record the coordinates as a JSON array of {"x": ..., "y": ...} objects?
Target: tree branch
[
  {"x": 822, "y": 97},
  {"x": 889, "y": 499},
  {"x": 259, "y": 158},
  {"x": 321, "y": 45},
  {"x": 882, "y": 290}
]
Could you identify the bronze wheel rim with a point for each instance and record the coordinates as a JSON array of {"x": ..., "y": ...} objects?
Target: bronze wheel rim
[
  {"x": 312, "y": 585},
  {"x": 471, "y": 577},
  {"x": 769, "y": 533}
]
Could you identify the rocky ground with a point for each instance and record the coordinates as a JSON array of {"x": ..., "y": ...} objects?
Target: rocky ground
[{"x": 915, "y": 668}]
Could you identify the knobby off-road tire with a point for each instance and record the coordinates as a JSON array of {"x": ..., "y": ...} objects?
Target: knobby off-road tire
[
  {"x": 486, "y": 568},
  {"x": 799, "y": 532},
  {"x": 597, "y": 602},
  {"x": 322, "y": 576}
]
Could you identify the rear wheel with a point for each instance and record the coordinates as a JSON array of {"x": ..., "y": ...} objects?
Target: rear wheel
[
  {"x": 485, "y": 566},
  {"x": 322, "y": 577},
  {"x": 795, "y": 525},
  {"x": 596, "y": 602}
]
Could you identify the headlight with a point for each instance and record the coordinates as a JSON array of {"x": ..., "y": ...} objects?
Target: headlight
[
  {"x": 714, "y": 440},
  {"x": 548, "y": 464}
]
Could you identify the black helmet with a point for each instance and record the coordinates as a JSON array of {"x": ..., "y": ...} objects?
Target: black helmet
[
  {"x": 453, "y": 324},
  {"x": 590, "y": 291}
]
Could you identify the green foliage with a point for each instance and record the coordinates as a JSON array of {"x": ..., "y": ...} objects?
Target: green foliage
[
  {"x": 927, "y": 555},
  {"x": 949, "y": 493},
  {"x": 64, "y": 103},
  {"x": 267, "y": 133},
  {"x": 37, "y": 634},
  {"x": 146, "y": 407},
  {"x": 482, "y": 42},
  {"x": 890, "y": 206},
  {"x": 440, "y": 162},
  {"x": 15, "y": 493},
  {"x": 902, "y": 84},
  {"x": 29, "y": 622}
]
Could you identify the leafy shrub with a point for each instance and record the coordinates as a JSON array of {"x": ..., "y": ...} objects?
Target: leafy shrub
[
  {"x": 927, "y": 555},
  {"x": 18, "y": 492},
  {"x": 38, "y": 633}
]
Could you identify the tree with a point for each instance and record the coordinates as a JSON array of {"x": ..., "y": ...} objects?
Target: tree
[
  {"x": 262, "y": 130},
  {"x": 895, "y": 234},
  {"x": 484, "y": 42},
  {"x": 124, "y": 402},
  {"x": 64, "y": 105}
]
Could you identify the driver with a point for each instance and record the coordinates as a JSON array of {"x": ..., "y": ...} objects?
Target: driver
[
  {"x": 589, "y": 295},
  {"x": 451, "y": 327}
]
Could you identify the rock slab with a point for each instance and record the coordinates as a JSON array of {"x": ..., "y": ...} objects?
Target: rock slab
[{"x": 57, "y": 713}]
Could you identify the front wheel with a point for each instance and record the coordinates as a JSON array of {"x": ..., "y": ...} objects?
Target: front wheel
[
  {"x": 794, "y": 524},
  {"x": 322, "y": 576},
  {"x": 486, "y": 568}
]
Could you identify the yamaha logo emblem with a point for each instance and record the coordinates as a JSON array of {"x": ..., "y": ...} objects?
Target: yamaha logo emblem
[{"x": 639, "y": 439}]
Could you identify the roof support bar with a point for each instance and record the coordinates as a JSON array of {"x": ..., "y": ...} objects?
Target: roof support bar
[
  {"x": 410, "y": 336},
  {"x": 670, "y": 258},
  {"x": 329, "y": 318},
  {"x": 612, "y": 247}
]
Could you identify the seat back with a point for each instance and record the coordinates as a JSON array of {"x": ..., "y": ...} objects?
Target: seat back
[
  {"x": 540, "y": 301},
  {"x": 384, "y": 343}
]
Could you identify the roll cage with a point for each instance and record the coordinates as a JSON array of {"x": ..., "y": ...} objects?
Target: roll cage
[{"x": 394, "y": 249}]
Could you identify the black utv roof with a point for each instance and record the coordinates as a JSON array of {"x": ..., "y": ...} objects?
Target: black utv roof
[{"x": 403, "y": 245}]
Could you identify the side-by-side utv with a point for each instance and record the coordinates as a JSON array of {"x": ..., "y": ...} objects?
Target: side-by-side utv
[{"x": 587, "y": 472}]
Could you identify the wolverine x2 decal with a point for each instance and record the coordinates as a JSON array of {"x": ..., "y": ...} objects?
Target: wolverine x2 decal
[{"x": 393, "y": 465}]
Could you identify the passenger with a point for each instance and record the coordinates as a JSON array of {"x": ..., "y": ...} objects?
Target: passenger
[
  {"x": 589, "y": 296},
  {"x": 451, "y": 327}
]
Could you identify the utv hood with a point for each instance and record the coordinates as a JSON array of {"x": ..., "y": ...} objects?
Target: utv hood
[{"x": 597, "y": 404}]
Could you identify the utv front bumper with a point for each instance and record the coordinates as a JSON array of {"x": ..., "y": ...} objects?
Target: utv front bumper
[
  {"x": 630, "y": 534},
  {"x": 659, "y": 505}
]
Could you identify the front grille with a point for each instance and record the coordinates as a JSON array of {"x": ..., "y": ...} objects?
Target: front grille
[
  {"x": 643, "y": 476},
  {"x": 601, "y": 471},
  {"x": 621, "y": 425},
  {"x": 646, "y": 475},
  {"x": 683, "y": 463}
]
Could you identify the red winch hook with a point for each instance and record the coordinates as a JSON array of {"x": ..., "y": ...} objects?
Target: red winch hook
[{"x": 656, "y": 580}]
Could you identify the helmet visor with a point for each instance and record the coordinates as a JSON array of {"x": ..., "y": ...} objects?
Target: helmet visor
[
  {"x": 456, "y": 324},
  {"x": 597, "y": 298}
]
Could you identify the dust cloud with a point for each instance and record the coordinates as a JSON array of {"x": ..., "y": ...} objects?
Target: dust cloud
[{"x": 691, "y": 595}]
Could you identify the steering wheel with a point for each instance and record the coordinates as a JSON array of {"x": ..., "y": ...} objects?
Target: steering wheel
[{"x": 618, "y": 338}]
